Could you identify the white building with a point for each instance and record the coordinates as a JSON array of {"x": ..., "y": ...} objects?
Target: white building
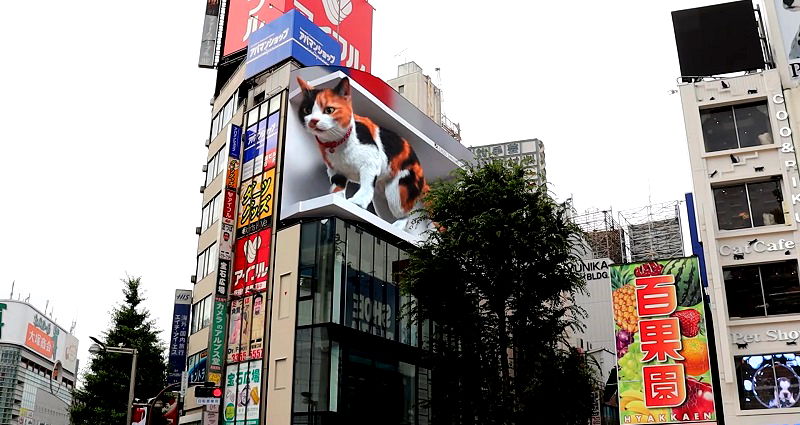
[
  {"x": 531, "y": 151},
  {"x": 31, "y": 347},
  {"x": 745, "y": 175}
]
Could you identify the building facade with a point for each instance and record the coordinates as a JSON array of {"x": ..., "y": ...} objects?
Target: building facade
[
  {"x": 296, "y": 312},
  {"x": 745, "y": 174},
  {"x": 529, "y": 152},
  {"x": 38, "y": 367}
]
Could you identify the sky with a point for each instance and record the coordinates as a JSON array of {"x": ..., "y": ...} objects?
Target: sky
[{"x": 105, "y": 114}]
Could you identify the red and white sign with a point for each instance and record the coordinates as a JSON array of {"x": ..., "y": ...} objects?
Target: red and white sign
[
  {"x": 229, "y": 207},
  {"x": 251, "y": 263},
  {"x": 39, "y": 341},
  {"x": 349, "y": 21}
]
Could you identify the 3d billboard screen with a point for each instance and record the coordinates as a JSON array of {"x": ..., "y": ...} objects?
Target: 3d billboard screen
[
  {"x": 353, "y": 141},
  {"x": 348, "y": 21},
  {"x": 291, "y": 35},
  {"x": 663, "y": 368}
]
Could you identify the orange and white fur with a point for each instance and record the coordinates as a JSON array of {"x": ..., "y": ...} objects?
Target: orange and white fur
[{"x": 357, "y": 150}]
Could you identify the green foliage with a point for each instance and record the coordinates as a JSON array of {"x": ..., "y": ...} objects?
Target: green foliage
[
  {"x": 498, "y": 281},
  {"x": 620, "y": 276},
  {"x": 103, "y": 399}
]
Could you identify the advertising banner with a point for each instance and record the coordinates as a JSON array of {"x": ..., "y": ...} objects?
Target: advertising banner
[
  {"x": 242, "y": 393},
  {"x": 789, "y": 22},
  {"x": 418, "y": 148},
  {"x": 216, "y": 349},
  {"x": 235, "y": 331},
  {"x": 348, "y": 21},
  {"x": 257, "y": 327},
  {"x": 256, "y": 197},
  {"x": 246, "y": 331},
  {"x": 23, "y": 325},
  {"x": 223, "y": 273},
  {"x": 253, "y": 159},
  {"x": 251, "y": 264},
  {"x": 663, "y": 368},
  {"x": 290, "y": 35},
  {"x": 179, "y": 336}
]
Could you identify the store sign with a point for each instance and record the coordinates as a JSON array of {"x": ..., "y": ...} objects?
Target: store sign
[
  {"x": 348, "y": 22},
  {"x": 242, "y": 393},
  {"x": 223, "y": 274},
  {"x": 39, "y": 341},
  {"x": 596, "y": 269},
  {"x": 216, "y": 349},
  {"x": 770, "y": 335},
  {"x": 256, "y": 199},
  {"x": 251, "y": 264},
  {"x": 787, "y": 150},
  {"x": 290, "y": 36},
  {"x": 180, "y": 335},
  {"x": 663, "y": 367},
  {"x": 758, "y": 246}
]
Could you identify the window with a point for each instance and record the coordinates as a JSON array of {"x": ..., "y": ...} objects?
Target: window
[
  {"x": 736, "y": 126},
  {"x": 749, "y": 205},
  {"x": 762, "y": 290},
  {"x": 513, "y": 148},
  {"x": 224, "y": 115},
  {"x": 207, "y": 261},
  {"x": 497, "y": 150},
  {"x": 201, "y": 314},
  {"x": 768, "y": 381},
  {"x": 211, "y": 212},
  {"x": 215, "y": 166}
]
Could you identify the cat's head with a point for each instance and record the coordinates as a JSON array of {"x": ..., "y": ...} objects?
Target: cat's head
[{"x": 326, "y": 113}]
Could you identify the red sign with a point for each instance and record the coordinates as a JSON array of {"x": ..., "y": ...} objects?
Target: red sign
[
  {"x": 251, "y": 263},
  {"x": 39, "y": 341},
  {"x": 349, "y": 21},
  {"x": 229, "y": 207}
]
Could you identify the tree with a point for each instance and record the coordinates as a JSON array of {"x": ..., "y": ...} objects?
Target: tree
[
  {"x": 498, "y": 280},
  {"x": 104, "y": 396}
]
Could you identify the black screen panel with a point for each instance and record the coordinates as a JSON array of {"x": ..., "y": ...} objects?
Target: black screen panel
[{"x": 717, "y": 39}]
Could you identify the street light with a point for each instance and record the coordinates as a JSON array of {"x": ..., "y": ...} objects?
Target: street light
[{"x": 99, "y": 347}]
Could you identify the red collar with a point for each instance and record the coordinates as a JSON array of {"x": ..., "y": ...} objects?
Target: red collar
[{"x": 331, "y": 146}]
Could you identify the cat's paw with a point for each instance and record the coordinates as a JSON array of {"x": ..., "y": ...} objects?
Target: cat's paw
[{"x": 361, "y": 201}]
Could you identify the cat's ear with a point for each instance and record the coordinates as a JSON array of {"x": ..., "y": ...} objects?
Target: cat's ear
[
  {"x": 304, "y": 85},
  {"x": 343, "y": 88}
]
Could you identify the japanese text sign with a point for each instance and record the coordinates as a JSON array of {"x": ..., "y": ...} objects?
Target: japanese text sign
[
  {"x": 179, "y": 336},
  {"x": 663, "y": 367}
]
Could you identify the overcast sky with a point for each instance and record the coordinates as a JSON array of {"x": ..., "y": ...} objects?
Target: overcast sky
[{"x": 105, "y": 114}]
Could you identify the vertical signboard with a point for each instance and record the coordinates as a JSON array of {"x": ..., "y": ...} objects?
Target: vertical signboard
[
  {"x": 242, "y": 393},
  {"x": 216, "y": 348},
  {"x": 663, "y": 369},
  {"x": 179, "y": 337},
  {"x": 208, "y": 43}
]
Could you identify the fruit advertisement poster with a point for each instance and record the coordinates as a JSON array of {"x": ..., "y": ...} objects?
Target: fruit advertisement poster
[{"x": 663, "y": 368}]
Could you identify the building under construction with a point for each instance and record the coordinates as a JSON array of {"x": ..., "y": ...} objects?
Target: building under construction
[{"x": 639, "y": 234}]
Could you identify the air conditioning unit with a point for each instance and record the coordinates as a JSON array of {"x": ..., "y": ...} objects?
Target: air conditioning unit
[
  {"x": 198, "y": 230},
  {"x": 208, "y": 142},
  {"x": 193, "y": 279},
  {"x": 202, "y": 189},
  {"x": 205, "y": 168}
]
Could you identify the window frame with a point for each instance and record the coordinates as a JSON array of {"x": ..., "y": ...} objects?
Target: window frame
[
  {"x": 764, "y": 302},
  {"x": 733, "y": 107},
  {"x": 778, "y": 180}
]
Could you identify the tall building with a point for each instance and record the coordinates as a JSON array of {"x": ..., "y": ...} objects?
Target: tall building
[
  {"x": 654, "y": 232},
  {"x": 296, "y": 312},
  {"x": 739, "y": 110},
  {"x": 38, "y": 367},
  {"x": 530, "y": 152},
  {"x": 416, "y": 86}
]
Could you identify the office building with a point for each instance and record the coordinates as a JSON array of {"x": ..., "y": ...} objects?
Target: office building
[
  {"x": 529, "y": 152},
  {"x": 38, "y": 366},
  {"x": 296, "y": 312}
]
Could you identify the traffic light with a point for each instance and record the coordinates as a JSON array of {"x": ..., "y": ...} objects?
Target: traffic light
[{"x": 205, "y": 392}]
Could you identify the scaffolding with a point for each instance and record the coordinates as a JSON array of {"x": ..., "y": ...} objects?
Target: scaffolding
[
  {"x": 603, "y": 234},
  {"x": 653, "y": 232}
]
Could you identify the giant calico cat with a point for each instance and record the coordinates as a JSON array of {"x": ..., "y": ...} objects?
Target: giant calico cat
[{"x": 355, "y": 149}]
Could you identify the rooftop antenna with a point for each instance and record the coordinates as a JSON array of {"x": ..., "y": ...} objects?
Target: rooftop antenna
[
  {"x": 72, "y": 326},
  {"x": 405, "y": 57},
  {"x": 46, "y": 304},
  {"x": 12, "y": 289},
  {"x": 29, "y": 297}
]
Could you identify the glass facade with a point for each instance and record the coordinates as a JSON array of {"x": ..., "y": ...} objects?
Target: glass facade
[
  {"x": 27, "y": 394},
  {"x": 357, "y": 357}
]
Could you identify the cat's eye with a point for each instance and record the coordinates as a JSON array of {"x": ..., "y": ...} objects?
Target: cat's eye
[
  {"x": 329, "y": 110},
  {"x": 306, "y": 110}
]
